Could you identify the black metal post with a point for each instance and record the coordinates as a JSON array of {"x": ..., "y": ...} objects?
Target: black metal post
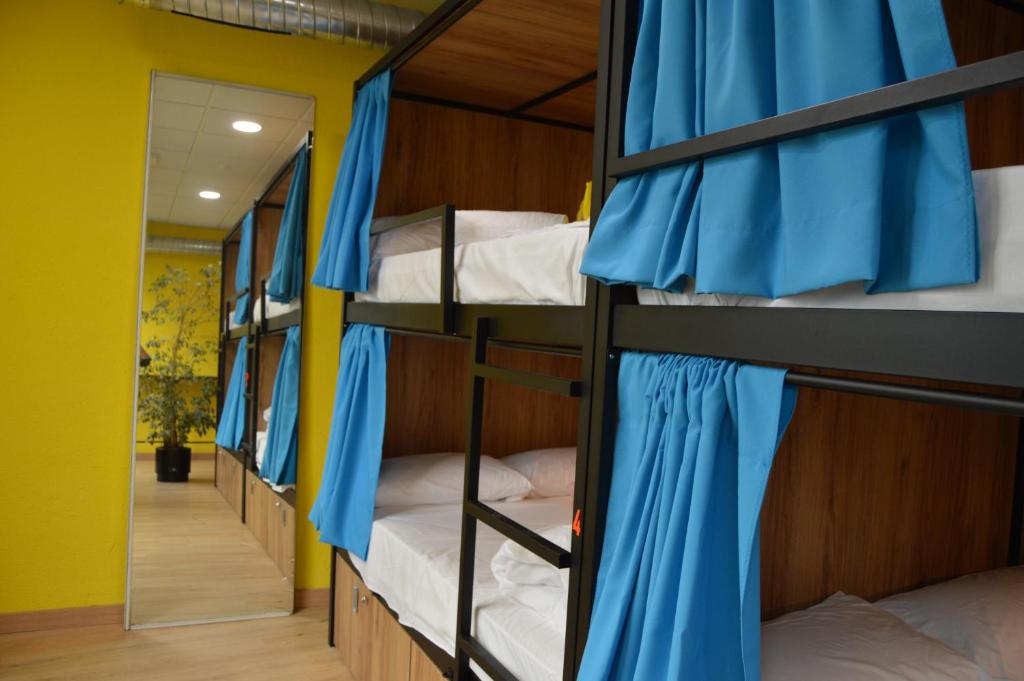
[{"x": 471, "y": 487}]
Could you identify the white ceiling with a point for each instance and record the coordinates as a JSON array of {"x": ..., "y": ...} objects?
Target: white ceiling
[{"x": 193, "y": 147}]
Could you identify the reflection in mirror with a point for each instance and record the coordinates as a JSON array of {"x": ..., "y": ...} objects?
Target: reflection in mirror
[{"x": 213, "y": 498}]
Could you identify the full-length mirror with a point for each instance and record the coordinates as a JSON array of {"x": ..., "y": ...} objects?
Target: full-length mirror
[{"x": 220, "y": 323}]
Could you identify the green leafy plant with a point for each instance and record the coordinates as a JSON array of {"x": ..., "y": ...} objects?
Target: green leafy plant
[{"x": 174, "y": 401}]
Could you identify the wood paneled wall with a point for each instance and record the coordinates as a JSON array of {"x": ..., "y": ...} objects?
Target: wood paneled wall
[
  {"x": 271, "y": 348},
  {"x": 874, "y": 496},
  {"x": 438, "y": 155},
  {"x": 230, "y": 265},
  {"x": 426, "y": 407},
  {"x": 995, "y": 123},
  {"x": 267, "y": 226}
]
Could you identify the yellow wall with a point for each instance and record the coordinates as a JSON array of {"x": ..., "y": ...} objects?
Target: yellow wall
[
  {"x": 75, "y": 76},
  {"x": 153, "y": 266}
]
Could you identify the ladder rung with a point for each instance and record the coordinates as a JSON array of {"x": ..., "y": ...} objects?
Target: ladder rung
[
  {"x": 520, "y": 534},
  {"x": 490, "y": 664},
  {"x": 527, "y": 379}
]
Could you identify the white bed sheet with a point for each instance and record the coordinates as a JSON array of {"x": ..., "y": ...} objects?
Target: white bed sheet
[
  {"x": 274, "y": 309},
  {"x": 413, "y": 563},
  {"x": 999, "y": 194},
  {"x": 539, "y": 267}
]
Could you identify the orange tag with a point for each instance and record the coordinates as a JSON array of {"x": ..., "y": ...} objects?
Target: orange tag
[{"x": 577, "y": 526}]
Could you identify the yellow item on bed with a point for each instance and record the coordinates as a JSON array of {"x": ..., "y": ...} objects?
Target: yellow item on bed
[{"x": 584, "y": 211}]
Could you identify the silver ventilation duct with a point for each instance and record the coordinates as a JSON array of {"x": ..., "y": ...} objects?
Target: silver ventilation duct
[
  {"x": 171, "y": 244},
  {"x": 358, "y": 21}
]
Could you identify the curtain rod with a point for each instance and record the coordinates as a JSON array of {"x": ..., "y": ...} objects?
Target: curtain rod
[{"x": 949, "y": 398}]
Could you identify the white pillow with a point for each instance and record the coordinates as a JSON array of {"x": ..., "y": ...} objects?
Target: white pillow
[
  {"x": 551, "y": 472},
  {"x": 981, "y": 616},
  {"x": 470, "y": 226},
  {"x": 846, "y": 638},
  {"x": 438, "y": 478}
]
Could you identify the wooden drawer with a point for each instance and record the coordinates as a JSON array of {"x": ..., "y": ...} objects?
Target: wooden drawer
[
  {"x": 229, "y": 480},
  {"x": 257, "y": 497},
  {"x": 372, "y": 644},
  {"x": 280, "y": 523}
]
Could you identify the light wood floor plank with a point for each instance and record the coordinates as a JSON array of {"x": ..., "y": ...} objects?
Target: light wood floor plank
[{"x": 273, "y": 649}]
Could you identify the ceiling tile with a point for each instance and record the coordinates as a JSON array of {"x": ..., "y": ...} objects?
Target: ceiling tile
[
  {"x": 164, "y": 176},
  {"x": 166, "y": 139},
  {"x": 158, "y": 207},
  {"x": 178, "y": 116},
  {"x": 233, "y": 147},
  {"x": 182, "y": 90},
  {"x": 218, "y": 122},
  {"x": 197, "y": 212},
  {"x": 225, "y": 184},
  {"x": 258, "y": 101},
  {"x": 308, "y": 116},
  {"x": 193, "y": 147},
  {"x": 172, "y": 160},
  {"x": 169, "y": 189},
  {"x": 208, "y": 164}
]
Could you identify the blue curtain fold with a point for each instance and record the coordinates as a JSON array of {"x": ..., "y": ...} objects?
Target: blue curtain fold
[
  {"x": 344, "y": 260},
  {"x": 889, "y": 202},
  {"x": 281, "y": 453},
  {"x": 679, "y": 577},
  {"x": 286, "y": 274},
  {"x": 243, "y": 271},
  {"x": 231, "y": 427},
  {"x": 343, "y": 511}
]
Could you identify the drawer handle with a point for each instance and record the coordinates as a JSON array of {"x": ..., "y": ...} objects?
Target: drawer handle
[{"x": 355, "y": 600}]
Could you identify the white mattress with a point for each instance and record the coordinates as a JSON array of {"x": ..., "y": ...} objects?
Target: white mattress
[
  {"x": 275, "y": 309},
  {"x": 539, "y": 267},
  {"x": 999, "y": 194},
  {"x": 413, "y": 563}
]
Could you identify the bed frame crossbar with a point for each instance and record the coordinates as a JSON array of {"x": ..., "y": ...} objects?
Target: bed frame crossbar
[{"x": 946, "y": 87}]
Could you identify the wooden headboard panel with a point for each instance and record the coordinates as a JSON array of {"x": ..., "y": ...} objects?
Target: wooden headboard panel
[
  {"x": 437, "y": 154},
  {"x": 874, "y": 496},
  {"x": 982, "y": 30},
  {"x": 267, "y": 226},
  {"x": 427, "y": 408}
]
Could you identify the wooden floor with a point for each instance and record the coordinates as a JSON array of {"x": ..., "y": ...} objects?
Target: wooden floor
[
  {"x": 193, "y": 559},
  {"x": 257, "y": 650}
]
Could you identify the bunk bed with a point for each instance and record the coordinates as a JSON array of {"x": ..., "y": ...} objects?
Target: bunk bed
[
  {"x": 492, "y": 273},
  {"x": 934, "y": 362},
  {"x": 260, "y": 359},
  {"x": 909, "y": 364}
]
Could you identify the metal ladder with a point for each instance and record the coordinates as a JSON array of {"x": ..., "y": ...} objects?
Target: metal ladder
[{"x": 467, "y": 648}]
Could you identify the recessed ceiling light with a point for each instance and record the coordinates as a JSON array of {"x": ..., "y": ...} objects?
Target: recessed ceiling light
[
  {"x": 247, "y": 126},
  {"x": 208, "y": 194}
]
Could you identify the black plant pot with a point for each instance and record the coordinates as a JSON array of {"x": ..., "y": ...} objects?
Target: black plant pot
[{"x": 173, "y": 464}]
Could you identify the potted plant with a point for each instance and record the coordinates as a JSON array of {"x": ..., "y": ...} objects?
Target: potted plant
[{"x": 174, "y": 400}]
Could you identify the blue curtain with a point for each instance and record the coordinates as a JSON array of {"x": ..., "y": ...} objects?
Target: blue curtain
[
  {"x": 890, "y": 203},
  {"x": 344, "y": 261},
  {"x": 343, "y": 511},
  {"x": 286, "y": 275},
  {"x": 279, "y": 458},
  {"x": 243, "y": 270},
  {"x": 678, "y": 584},
  {"x": 231, "y": 427}
]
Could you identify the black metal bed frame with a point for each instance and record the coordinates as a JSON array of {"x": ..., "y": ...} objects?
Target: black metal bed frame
[
  {"x": 978, "y": 348},
  {"x": 256, "y": 333}
]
